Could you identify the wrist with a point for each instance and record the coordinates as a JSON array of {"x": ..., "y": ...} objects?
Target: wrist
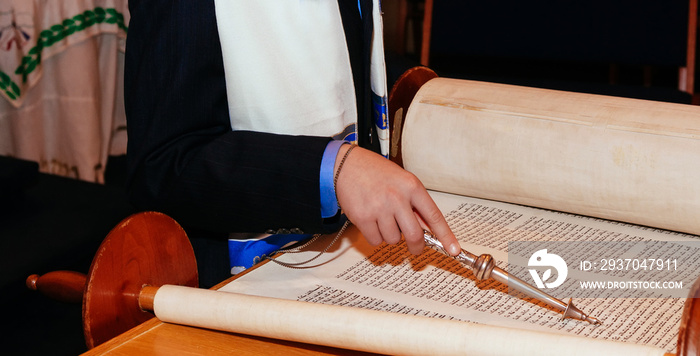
[{"x": 342, "y": 156}]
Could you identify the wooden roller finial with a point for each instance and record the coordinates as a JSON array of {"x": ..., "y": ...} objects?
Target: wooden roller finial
[{"x": 145, "y": 249}]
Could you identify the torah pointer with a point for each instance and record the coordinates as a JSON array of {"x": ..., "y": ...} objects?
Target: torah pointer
[{"x": 484, "y": 267}]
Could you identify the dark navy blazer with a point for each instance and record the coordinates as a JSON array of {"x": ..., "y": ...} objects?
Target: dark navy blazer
[{"x": 183, "y": 157}]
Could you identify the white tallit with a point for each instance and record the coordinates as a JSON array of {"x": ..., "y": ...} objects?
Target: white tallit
[{"x": 288, "y": 70}]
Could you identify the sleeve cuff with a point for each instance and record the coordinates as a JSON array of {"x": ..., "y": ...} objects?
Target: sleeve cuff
[{"x": 329, "y": 203}]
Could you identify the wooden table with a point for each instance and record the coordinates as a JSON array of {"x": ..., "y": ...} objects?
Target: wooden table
[{"x": 158, "y": 338}]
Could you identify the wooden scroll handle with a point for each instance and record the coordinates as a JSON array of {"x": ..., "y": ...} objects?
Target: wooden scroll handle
[
  {"x": 65, "y": 286},
  {"x": 144, "y": 249}
]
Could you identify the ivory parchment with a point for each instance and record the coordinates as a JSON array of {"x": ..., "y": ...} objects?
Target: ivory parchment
[
  {"x": 614, "y": 158},
  {"x": 364, "y": 329}
]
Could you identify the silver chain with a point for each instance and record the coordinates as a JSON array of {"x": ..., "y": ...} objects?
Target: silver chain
[{"x": 298, "y": 249}]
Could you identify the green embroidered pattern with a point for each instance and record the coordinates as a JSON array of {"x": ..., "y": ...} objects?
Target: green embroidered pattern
[
  {"x": 10, "y": 88},
  {"x": 55, "y": 34}
]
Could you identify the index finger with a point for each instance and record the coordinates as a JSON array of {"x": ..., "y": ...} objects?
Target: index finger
[{"x": 430, "y": 218}]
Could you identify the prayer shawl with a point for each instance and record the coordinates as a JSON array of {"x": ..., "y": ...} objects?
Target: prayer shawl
[
  {"x": 61, "y": 71},
  {"x": 288, "y": 71}
]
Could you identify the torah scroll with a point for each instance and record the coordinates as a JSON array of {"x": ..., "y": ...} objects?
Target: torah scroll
[
  {"x": 620, "y": 159},
  {"x": 367, "y": 330},
  {"x": 614, "y": 158}
]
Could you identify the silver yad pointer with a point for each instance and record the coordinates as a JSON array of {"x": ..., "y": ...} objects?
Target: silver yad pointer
[{"x": 484, "y": 267}]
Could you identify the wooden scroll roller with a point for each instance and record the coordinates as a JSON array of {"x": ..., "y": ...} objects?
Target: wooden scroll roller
[
  {"x": 146, "y": 249},
  {"x": 146, "y": 265}
]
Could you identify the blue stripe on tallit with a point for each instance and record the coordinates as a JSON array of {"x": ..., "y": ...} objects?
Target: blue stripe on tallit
[{"x": 243, "y": 254}]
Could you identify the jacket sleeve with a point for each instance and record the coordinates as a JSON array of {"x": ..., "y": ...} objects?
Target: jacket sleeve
[{"x": 183, "y": 157}]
